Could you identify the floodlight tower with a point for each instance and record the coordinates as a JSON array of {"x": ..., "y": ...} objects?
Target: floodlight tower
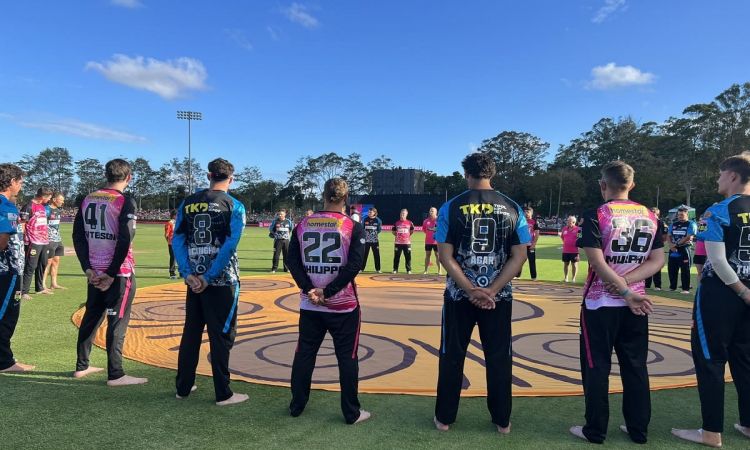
[{"x": 189, "y": 116}]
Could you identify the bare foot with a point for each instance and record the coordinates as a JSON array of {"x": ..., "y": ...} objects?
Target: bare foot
[
  {"x": 234, "y": 399},
  {"x": 192, "y": 389},
  {"x": 89, "y": 371},
  {"x": 126, "y": 380},
  {"x": 440, "y": 425},
  {"x": 18, "y": 368},
  {"x": 577, "y": 431},
  {"x": 699, "y": 436},
  {"x": 57, "y": 286},
  {"x": 363, "y": 415},
  {"x": 45, "y": 292},
  {"x": 624, "y": 429},
  {"x": 26, "y": 297},
  {"x": 503, "y": 430},
  {"x": 744, "y": 430}
]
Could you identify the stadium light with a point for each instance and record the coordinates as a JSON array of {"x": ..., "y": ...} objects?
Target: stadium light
[{"x": 189, "y": 116}]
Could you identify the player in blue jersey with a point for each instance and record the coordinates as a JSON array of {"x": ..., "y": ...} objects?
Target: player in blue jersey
[
  {"x": 721, "y": 313},
  {"x": 11, "y": 265},
  {"x": 482, "y": 238},
  {"x": 681, "y": 234},
  {"x": 208, "y": 229}
]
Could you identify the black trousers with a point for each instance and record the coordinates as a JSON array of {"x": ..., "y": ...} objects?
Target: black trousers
[
  {"x": 10, "y": 308},
  {"x": 280, "y": 246},
  {"x": 459, "y": 319},
  {"x": 214, "y": 309},
  {"x": 375, "y": 247},
  {"x": 655, "y": 278},
  {"x": 172, "y": 267},
  {"x": 721, "y": 334},
  {"x": 36, "y": 262},
  {"x": 675, "y": 265},
  {"x": 115, "y": 302},
  {"x": 603, "y": 330},
  {"x": 531, "y": 258},
  {"x": 344, "y": 330},
  {"x": 406, "y": 250}
]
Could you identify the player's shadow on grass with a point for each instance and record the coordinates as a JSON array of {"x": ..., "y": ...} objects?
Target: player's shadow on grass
[{"x": 64, "y": 378}]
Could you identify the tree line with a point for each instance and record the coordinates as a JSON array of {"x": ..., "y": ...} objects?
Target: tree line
[{"x": 675, "y": 162}]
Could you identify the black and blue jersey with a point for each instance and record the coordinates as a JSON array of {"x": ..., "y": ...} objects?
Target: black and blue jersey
[
  {"x": 11, "y": 259},
  {"x": 729, "y": 222},
  {"x": 483, "y": 226},
  {"x": 281, "y": 229},
  {"x": 208, "y": 228},
  {"x": 677, "y": 231},
  {"x": 373, "y": 227}
]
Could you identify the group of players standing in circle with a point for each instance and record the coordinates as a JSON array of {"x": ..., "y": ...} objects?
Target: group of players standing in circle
[{"x": 483, "y": 239}]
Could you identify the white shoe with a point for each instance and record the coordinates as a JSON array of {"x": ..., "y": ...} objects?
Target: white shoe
[
  {"x": 273, "y": 271},
  {"x": 126, "y": 380},
  {"x": 684, "y": 292},
  {"x": 657, "y": 289},
  {"x": 395, "y": 271},
  {"x": 425, "y": 273},
  {"x": 233, "y": 400},
  {"x": 408, "y": 272},
  {"x": 577, "y": 431},
  {"x": 380, "y": 271}
]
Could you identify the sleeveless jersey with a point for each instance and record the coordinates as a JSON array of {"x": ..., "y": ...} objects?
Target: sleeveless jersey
[
  {"x": 482, "y": 226},
  {"x": 207, "y": 231},
  {"x": 324, "y": 240},
  {"x": 626, "y": 232},
  {"x": 729, "y": 222}
]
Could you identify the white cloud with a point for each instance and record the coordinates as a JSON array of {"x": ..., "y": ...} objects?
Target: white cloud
[
  {"x": 274, "y": 35},
  {"x": 76, "y": 127},
  {"x": 610, "y": 7},
  {"x": 299, "y": 14},
  {"x": 132, "y": 4},
  {"x": 611, "y": 76},
  {"x": 239, "y": 38},
  {"x": 170, "y": 79}
]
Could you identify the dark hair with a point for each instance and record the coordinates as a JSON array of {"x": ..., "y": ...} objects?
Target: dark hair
[
  {"x": 479, "y": 165},
  {"x": 117, "y": 170},
  {"x": 8, "y": 173},
  {"x": 375, "y": 210},
  {"x": 281, "y": 210},
  {"x": 220, "y": 169},
  {"x": 335, "y": 190},
  {"x": 739, "y": 164},
  {"x": 57, "y": 194},
  {"x": 43, "y": 191},
  {"x": 618, "y": 174},
  {"x": 172, "y": 213},
  {"x": 528, "y": 208}
]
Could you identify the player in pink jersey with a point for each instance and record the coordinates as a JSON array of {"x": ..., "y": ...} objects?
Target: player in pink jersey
[
  {"x": 623, "y": 246},
  {"x": 569, "y": 236},
  {"x": 699, "y": 258},
  {"x": 325, "y": 255},
  {"x": 429, "y": 226},
  {"x": 103, "y": 232},
  {"x": 402, "y": 231},
  {"x": 36, "y": 239}
]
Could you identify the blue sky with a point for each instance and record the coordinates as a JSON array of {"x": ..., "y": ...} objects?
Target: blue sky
[{"x": 420, "y": 81}]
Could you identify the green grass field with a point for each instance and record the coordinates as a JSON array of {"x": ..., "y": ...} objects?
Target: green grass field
[{"x": 49, "y": 409}]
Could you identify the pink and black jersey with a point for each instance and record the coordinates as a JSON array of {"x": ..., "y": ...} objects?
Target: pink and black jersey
[
  {"x": 327, "y": 251},
  {"x": 533, "y": 228},
  {"x": 404, "y": 229},
  {"x": 569, "y": 236},
  {"x": 103, "y": 230},
  {"x": 429, "y": 226},
  {"x": 35, "y": 216},
  {"x": 626, "y": 232}
]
